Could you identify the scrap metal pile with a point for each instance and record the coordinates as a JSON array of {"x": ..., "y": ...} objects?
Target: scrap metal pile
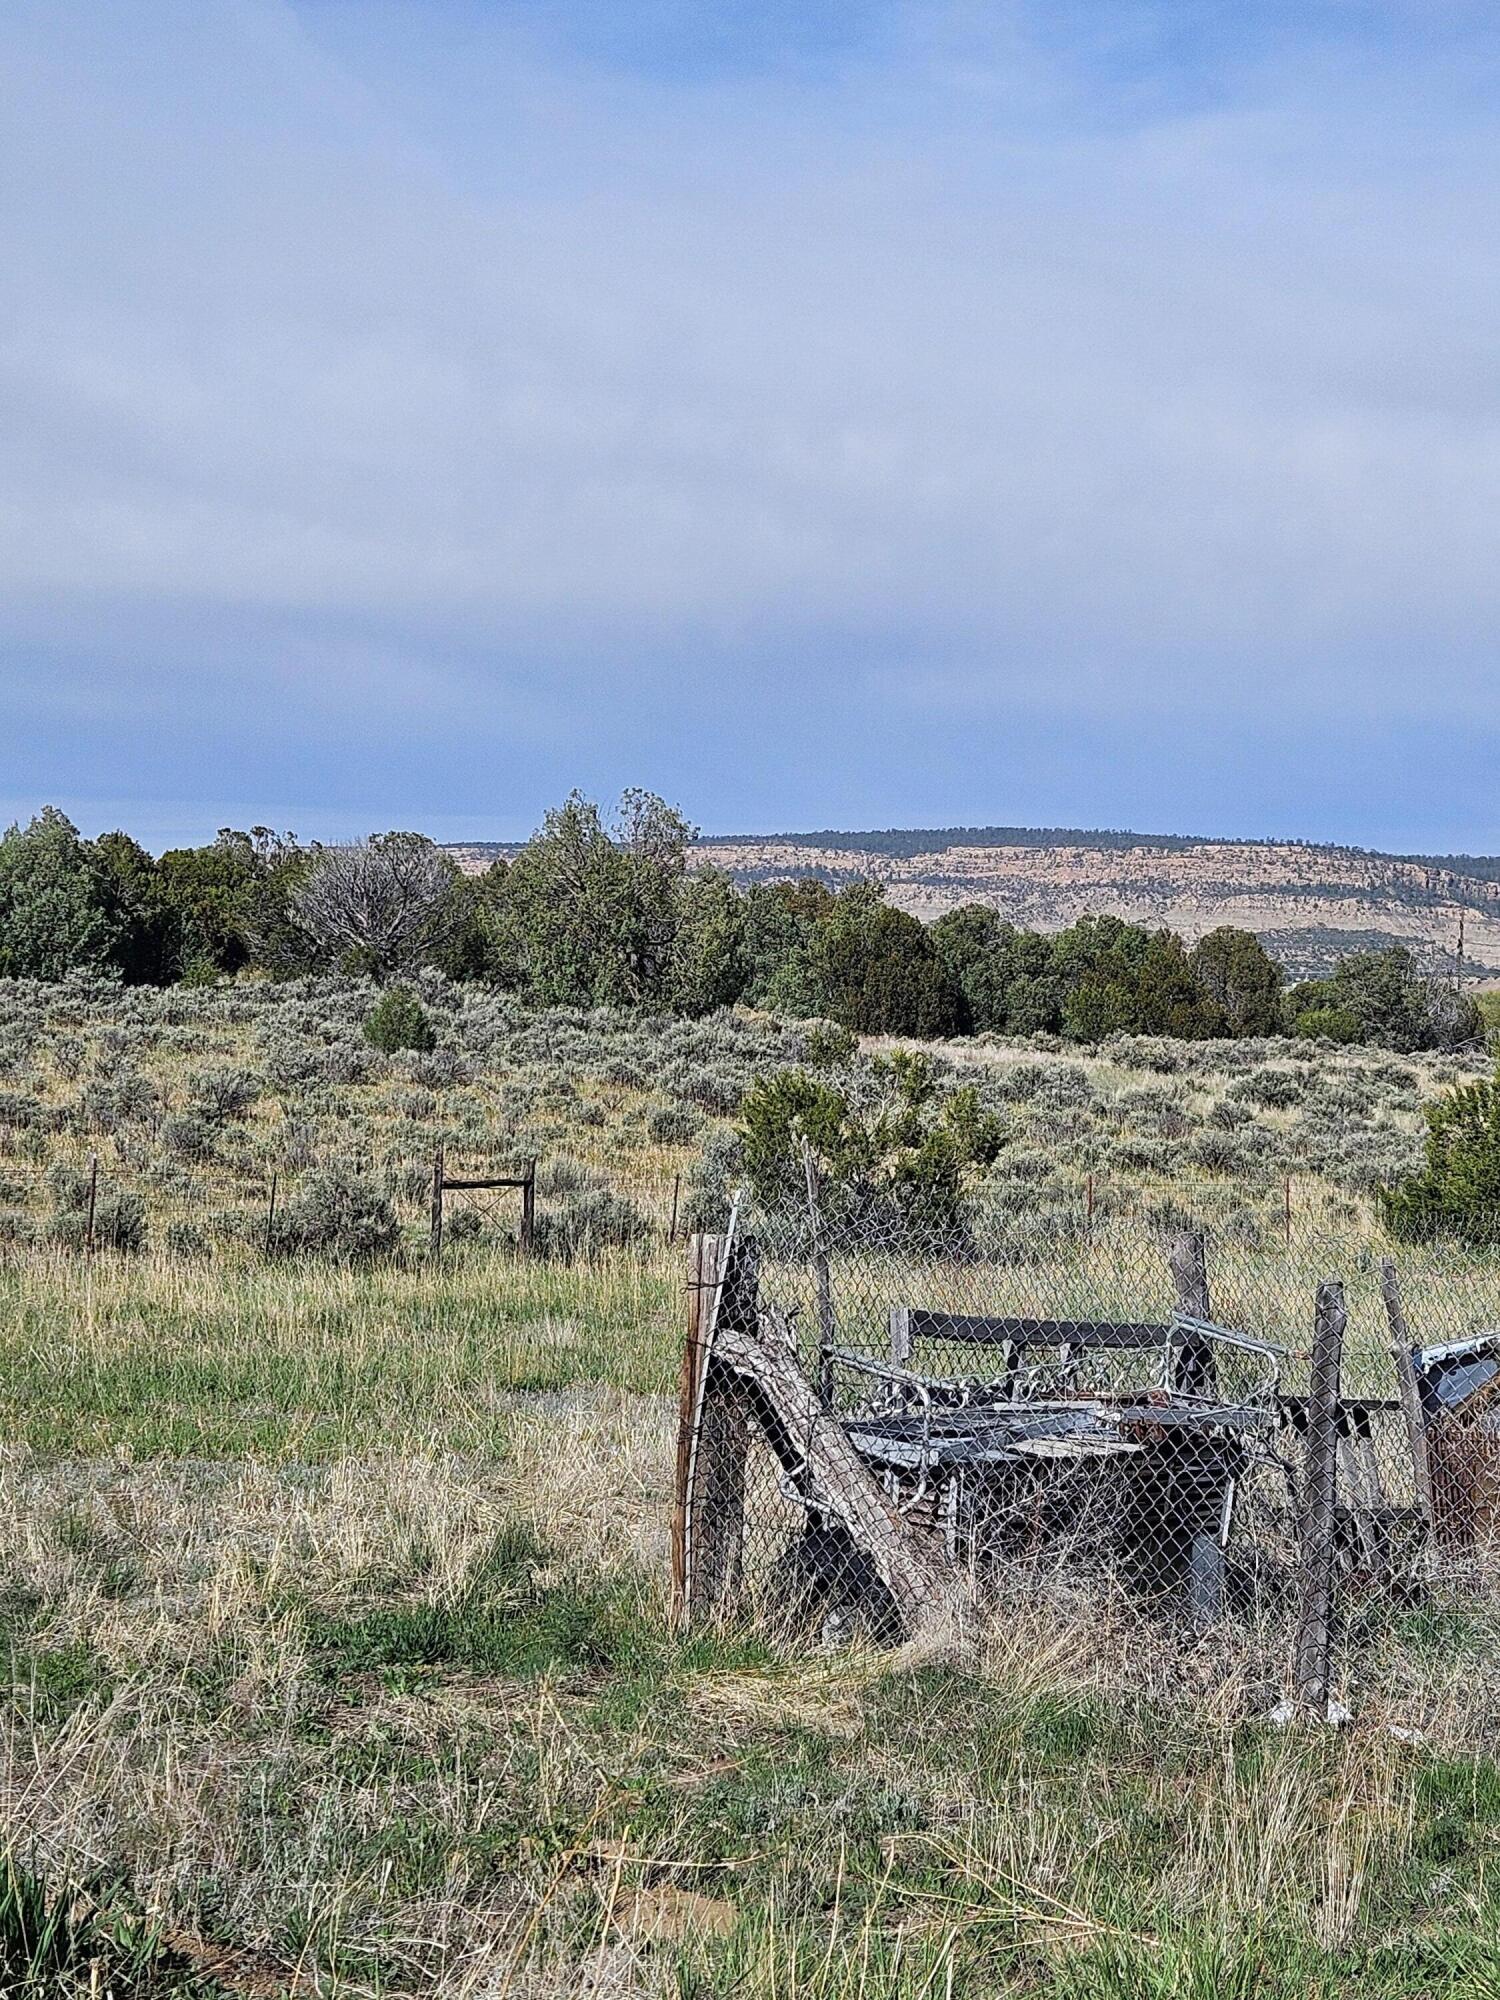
[{"x": 1166, "y": 1453}]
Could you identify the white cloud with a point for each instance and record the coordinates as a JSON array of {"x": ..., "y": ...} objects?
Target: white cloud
[{"x": 1189, "y": 408}]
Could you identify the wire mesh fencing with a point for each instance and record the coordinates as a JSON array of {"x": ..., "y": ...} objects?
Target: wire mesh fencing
[{"x": 892, "y": 1425}]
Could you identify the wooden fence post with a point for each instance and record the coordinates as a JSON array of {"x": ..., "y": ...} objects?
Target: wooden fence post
[
  {"x": 1193, "y": 1370},
  {"x": 528, "y": 1209},
  {"x": 708, "y": 1526},
  {"x": 928, "y": 1591},
  {"x": 1315, "y": 1608},
  {"x": 704, "y": 1255},
  {"x": 827, "y": 1330},
  {"x": 436, "y": 1225},
  {"x": 1406, "y": 1386}
]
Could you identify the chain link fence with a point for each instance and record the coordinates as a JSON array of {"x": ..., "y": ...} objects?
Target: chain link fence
[{"x": 892, "y": 1425}]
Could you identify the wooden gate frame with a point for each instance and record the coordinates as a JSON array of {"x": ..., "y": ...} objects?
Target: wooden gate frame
[{"x": 442, "y": 1185}]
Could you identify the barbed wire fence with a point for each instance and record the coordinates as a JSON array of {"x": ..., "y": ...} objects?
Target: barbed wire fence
[
  {"x": 893, "y": 1423},
  {"x": 447, "y": 1199}
]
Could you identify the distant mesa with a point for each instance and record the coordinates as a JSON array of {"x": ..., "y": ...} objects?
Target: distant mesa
[{"x": 1310, "y": 903}]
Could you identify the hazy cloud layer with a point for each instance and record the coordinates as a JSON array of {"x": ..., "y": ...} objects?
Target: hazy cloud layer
[{"x": 413, "y": 408}]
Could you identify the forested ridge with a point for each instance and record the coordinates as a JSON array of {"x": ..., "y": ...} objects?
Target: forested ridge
[{"x": 608, "y": 911}]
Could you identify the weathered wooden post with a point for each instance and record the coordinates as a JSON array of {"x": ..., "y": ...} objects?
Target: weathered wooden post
[
  {"x": 1315, "y": 1609},
  {"x": 1186, "y": 1468},
  {"x": 436, "y": 1222},
  {"x": 712, "y": 1435},
  {"x": 1406, "y": 1388},
  {"x": 704, "y": 1254},
  {"x": 928, "y": 1591},
  {"x": 1193, "y": 1364},
  {"x": 827, "y": 1332},
  {"x": 528, "y": 1209}
]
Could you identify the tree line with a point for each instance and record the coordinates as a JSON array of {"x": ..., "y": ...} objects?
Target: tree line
[{"x": 597, "y": 911}]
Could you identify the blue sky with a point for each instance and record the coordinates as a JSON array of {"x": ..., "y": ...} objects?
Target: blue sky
[{"x": 826, "y": 414}]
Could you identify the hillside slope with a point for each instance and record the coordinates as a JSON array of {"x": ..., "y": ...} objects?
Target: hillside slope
[{"x": 1309, "y": 903}]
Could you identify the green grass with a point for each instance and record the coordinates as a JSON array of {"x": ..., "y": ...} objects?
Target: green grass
[
  {"x": 169, "y": 1359},
  {"x": 57, "y": 1941},
  {"x": 504, "y": 1621}
]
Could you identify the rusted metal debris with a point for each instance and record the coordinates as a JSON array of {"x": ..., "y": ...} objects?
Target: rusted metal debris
[
  {"x": 1458, "y": 1398},
  {"x": 1031, "y": 1459},
  {"x": 1166, "y": 1452},
  {"x": 913, "y": 1481}
]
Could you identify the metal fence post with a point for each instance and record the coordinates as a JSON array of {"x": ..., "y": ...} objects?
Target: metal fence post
[
  {"x": 88, "y": 1234},
  {"x": 1315, "y": 1611}
]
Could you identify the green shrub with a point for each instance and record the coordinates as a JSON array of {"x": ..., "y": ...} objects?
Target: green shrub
[
  {"x": 435, "y": 1069},
  {"x": 69, "y": 1184},
  {"x": 235, "y": 1225},
  {"x": 338, "y": 1214},
  {"x": 119, "y": 1221},
  {"x": 1274, "y": 1089},
  {"x": 911, "y": 1156},
  {"x": 188, "y": 1136},
  {"x": 398, "y": 1020},
  {"x": 1224, "y": 1153},
  {"x": 185, "y": 1239},
  {"x": 827, "y": 1045},
  {"x": 592, "y": 1220},
  {"x": 221, "y": 1094},
  {"x": 674, "y": 1125},
  {"x": 19, "y": 1110},
  {"x": 562, "y": 1174},
  {"x": 1457, "y": 1190},
  {"x": 1327, "y": 1024},
  {"x": 67, "y": 1055}
]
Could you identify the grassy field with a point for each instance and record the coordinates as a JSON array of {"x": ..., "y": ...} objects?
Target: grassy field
[{"x": 334, "y": 1599}]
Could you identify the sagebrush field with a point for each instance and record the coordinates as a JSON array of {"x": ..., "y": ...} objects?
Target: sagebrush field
[{"x": 334, "y": 1587}]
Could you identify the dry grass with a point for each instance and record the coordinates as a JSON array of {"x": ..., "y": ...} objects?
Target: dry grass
[
  {"x": 333, "y": 1603},
  {"x": 217, "y": 1698}
]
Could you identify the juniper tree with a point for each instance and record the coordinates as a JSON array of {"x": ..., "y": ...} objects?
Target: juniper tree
[
  {"x": 385, "y": 905},
  {"x": 54, "y": 907}
]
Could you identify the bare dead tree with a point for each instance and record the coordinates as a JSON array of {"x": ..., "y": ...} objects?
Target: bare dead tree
[{"x": 388, "y": 902}]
